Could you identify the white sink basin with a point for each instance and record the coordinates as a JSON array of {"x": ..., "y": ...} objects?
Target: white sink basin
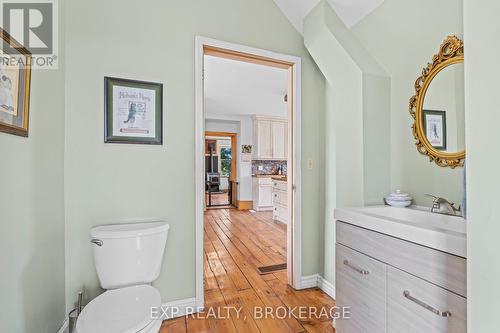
[{"x": 441, "y": 232}]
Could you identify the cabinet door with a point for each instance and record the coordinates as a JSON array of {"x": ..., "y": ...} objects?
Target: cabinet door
[
  {"x": 361, "y": 290},
  {"x": 280, "y": 138},
  {"x": 264, "y": 140},
  {"x": 415, "y": 306},
  {"x": 265, "y": 195}
]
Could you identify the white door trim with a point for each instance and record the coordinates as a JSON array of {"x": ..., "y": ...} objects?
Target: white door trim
[{"x": 294, "y": 151}]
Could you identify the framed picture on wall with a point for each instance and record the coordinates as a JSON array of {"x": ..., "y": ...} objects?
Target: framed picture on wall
[
  {"x": 15, "y": 76},
  {"x": 133, "y": 111},
  {"x": 246, "y": 153},
  {"x": 435, "y": 128}
]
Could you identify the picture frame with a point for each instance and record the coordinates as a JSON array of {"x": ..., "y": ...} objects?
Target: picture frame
[
  {"x": 246, "y": 153},
  {"x": 15, "y": 81},
  {"x": 133, "y": 111},
  {"x": 434, "y": 125},
  {"x": 246, "y": 149}
]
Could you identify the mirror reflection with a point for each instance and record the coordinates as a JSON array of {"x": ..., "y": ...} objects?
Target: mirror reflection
[{"x": 443, "y": 112}]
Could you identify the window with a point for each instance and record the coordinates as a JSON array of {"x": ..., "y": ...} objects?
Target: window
[{"x": 225, "y": 161}]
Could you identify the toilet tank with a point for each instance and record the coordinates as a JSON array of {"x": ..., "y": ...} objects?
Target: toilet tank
[{"x": 128, "y": 254}]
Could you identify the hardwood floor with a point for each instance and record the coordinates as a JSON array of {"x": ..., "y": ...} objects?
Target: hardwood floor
[{"x": 236, "y": 243}]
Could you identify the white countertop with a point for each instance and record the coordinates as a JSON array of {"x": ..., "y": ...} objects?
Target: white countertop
[{"x": 441, "y": 232}]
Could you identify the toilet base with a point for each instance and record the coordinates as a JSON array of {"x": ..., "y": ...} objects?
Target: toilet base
[{"x": 153, "y": 327}]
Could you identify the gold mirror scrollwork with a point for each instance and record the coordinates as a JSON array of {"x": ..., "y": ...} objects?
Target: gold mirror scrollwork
[{"x": 450, "y": 52}]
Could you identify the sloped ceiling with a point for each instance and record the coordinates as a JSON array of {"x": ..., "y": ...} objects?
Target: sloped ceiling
[{"x": 349, "y": 11}]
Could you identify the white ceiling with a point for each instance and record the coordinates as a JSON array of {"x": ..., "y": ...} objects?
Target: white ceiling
[
  {"x": 349, "y": 11},
  {"x": 239, "y": 88}
]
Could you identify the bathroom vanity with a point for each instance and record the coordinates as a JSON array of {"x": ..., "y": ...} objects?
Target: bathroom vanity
[{"x": 400, "y": 270}]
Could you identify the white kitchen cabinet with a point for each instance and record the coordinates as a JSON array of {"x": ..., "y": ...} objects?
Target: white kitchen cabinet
[
  {"x": 280, "y": 201},
  {"x": 270, "y": 137},
  {"x": 262, "y": 190},
  {"x": 263, "y": 135},
  {"x": 279, "y": 131}
]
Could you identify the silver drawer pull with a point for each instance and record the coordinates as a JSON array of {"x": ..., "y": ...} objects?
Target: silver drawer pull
[
  {"x": 406, "y": 293},
  {"x": 357, "y": 269},
  {"x": 96, "y": 241}
]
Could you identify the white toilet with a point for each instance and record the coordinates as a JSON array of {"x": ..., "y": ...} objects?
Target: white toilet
[{"x": 128, "y": 258}]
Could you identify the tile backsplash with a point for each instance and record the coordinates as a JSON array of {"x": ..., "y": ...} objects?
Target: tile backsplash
[{"x": 268, "y": 167}]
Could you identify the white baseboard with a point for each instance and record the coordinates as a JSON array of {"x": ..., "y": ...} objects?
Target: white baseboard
[
  {"x": 64, "y": 327},
  {"x": 326, "y": 286},
  {"x": 309, "y": 281},
  {"x": 316, "y": 280},
  {"x": 182, "y": 307}
]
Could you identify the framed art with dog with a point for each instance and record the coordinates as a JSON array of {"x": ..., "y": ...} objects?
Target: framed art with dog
[
  {"x": 132, "y": 111},
  {"x": 15, "y": 76}
]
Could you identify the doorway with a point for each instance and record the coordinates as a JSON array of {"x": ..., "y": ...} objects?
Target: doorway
[
  {"x": 291, "y": 130},
  {"x": 221, "y": 170}
]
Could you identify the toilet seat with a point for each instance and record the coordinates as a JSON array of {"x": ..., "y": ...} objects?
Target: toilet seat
[{"x": 123, "y": 310}]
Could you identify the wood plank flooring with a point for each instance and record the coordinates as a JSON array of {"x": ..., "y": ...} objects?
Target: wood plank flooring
[{"x": 235, "y": 244}]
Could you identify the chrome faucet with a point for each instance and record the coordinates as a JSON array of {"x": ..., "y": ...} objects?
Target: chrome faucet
[{"x": 443, "y": 206}]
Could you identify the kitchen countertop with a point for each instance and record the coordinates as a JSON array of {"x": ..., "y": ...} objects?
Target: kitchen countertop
[
  {"x": 440, "y": 232},
  {"x": 275, "y": 177}
]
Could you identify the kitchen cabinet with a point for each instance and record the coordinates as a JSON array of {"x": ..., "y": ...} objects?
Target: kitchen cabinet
[
  {"x": 280, "y": 201},
  {"x": 262, "y": 191},
  {"x": 279, "y": 137},
  {"x": 270, "y": 138}
]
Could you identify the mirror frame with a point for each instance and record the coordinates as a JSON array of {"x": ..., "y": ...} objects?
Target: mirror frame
[{"x": 450, "y": 52}]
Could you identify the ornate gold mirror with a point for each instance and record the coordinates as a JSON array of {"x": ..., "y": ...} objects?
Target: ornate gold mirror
[{"x": 438, "y": 106}]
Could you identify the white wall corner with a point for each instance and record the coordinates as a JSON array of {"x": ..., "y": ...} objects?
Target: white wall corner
[
  {"x": 316, "y": 280},
  {"x": 308, "y": 281},
  {"x": 326, "y": 286}
]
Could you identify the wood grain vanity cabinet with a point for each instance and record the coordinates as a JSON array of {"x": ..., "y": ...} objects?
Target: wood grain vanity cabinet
[
  {"x": 361, "y": 286},
  {"x": 392, "y": 285}
]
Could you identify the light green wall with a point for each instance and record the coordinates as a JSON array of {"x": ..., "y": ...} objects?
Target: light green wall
[
  {"x": 482, "y": 69},
  {"x": 32, "y": 212},
  {"x": 403, "y": 35},
  {"x": 154, "y": 41},
  {"x": 343, "y": 182},
  {"x": 357, "y": 155},
  {"x": 376, "y": 138}
]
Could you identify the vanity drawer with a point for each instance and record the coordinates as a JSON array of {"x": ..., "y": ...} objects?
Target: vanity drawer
[
  {"x": 360, "y": 286},
  {"x": 440, "y": 268},
  {"x": 416, "y": 306}
]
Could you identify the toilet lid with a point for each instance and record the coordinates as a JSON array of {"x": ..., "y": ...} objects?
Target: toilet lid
[{"x": 124, "y": 310}]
